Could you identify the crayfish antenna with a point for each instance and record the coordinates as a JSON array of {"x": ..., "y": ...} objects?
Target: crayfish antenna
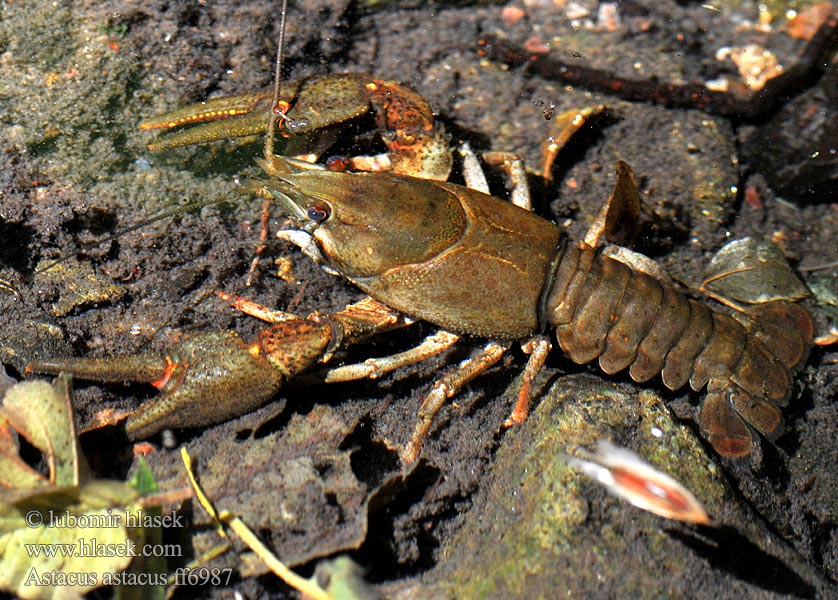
[
  {"x": 183, "y": 207},
  {"x": 278, "y": 109},
  {"x": 276, "y": 112}
]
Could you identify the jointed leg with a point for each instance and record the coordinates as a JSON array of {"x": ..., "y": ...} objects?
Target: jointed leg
[
  {"x": 538, "y": 348},
  {"x": 445, "y": 388},
  {"x": 374, "y": 368}
]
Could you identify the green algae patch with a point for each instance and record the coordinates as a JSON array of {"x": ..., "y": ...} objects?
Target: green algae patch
[{"x": 82, "y": 286}]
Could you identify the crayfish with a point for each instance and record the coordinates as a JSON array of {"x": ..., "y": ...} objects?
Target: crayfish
[{"x": 465, "y": 261}]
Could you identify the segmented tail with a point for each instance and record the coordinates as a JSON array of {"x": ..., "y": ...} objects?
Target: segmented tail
[{"x": 603, "y": 309}]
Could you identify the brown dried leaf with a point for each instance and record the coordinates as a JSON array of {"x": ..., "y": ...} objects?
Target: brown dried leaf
[{"x": 295, "y": 483}]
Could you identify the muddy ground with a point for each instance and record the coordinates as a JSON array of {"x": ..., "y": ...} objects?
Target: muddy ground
[{"x": 487, "y": 513}]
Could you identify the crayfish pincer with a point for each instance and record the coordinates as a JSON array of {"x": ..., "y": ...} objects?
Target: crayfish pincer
[
  {"x": 477, "y": 265},
  {"x": 214, "y": 376}
]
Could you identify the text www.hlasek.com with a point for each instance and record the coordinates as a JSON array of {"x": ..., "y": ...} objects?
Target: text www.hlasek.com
[{"x": 92, "y": 548}]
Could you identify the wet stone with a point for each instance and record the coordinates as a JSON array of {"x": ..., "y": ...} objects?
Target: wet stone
[{"x": 539, "y": 526}]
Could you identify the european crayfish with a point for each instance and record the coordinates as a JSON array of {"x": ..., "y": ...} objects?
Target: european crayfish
[
  {"x": 464, "y": 261},
  {"x": 411, "y": 255}
]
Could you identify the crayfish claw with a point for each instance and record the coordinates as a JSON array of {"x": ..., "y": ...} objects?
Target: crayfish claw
[
  {"x": 217, "y": 377},
  {"x": 205, "y": 379}
]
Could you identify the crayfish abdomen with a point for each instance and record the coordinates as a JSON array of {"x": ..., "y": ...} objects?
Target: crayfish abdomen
[{"x": 602, "y": 309}]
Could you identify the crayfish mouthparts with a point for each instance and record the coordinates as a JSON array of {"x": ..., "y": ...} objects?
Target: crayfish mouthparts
[{"x": 305, "y": 242}]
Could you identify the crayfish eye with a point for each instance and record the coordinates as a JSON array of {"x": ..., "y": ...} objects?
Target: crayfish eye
[{"x": 317, "y": 212}]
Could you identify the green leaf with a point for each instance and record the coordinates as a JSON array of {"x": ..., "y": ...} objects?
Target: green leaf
[{"x": 64, "y": 542}]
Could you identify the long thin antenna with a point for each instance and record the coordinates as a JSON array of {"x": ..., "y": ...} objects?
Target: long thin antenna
[{"x": 275, "y": 112}]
